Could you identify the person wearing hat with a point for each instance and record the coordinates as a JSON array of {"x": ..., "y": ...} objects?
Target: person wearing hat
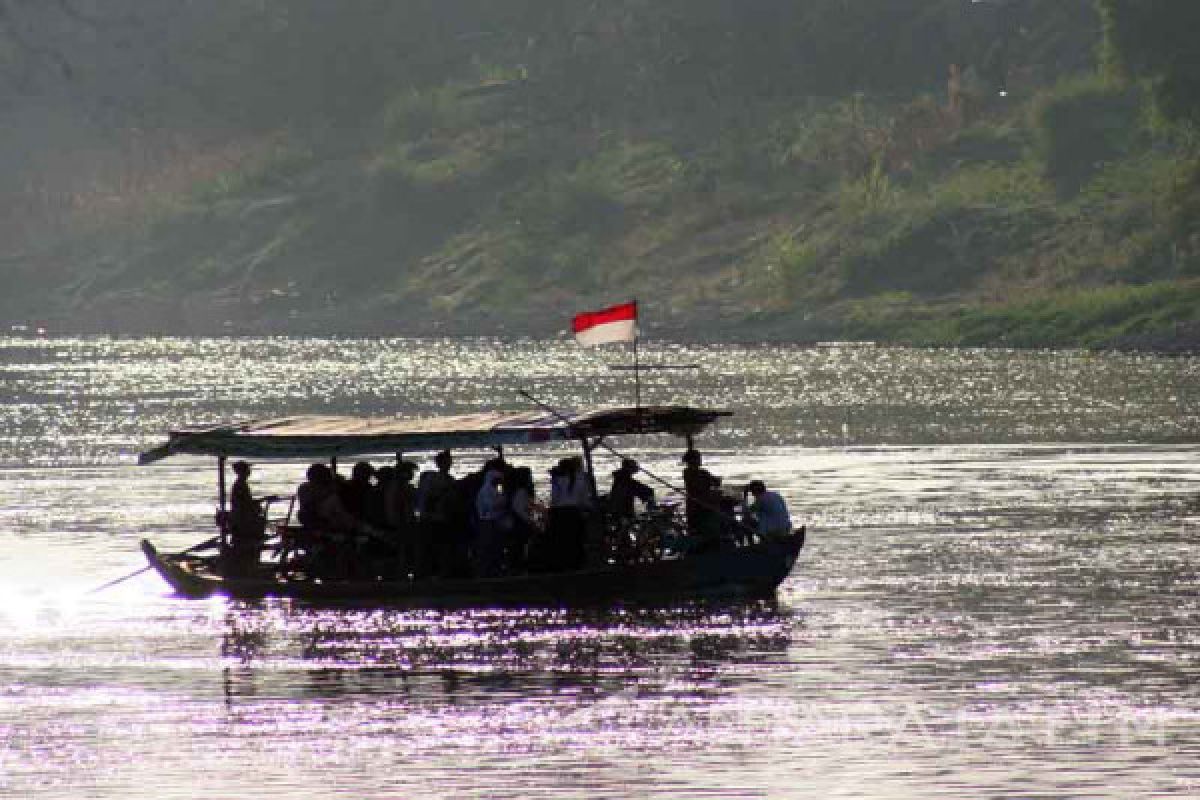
[
  {"x": 702, "y": 504},
  {"x": 769, "y": 512},
  {"x": 625, "y": 489},
  {"x": 247, "y": 521}
]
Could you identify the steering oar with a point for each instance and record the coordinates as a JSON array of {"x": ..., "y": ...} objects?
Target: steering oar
[{"x": 202, "y": 546}]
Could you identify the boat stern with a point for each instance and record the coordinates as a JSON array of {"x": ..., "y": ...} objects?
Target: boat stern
[{"x": 176, "y": 573}]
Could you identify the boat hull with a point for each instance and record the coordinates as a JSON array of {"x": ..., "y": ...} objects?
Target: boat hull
[{"x": 754, "y": 571}]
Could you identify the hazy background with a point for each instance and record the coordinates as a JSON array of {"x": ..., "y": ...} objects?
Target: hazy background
[{"x": 803, "y": 169}]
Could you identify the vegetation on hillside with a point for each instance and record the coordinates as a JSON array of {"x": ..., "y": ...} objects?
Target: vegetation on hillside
[{"x": 790, "y": 169}]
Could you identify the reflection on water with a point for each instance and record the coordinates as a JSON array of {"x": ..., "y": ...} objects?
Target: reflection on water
[
  {"x": 981, "y": 609},
  {"x": 490, "y": 653}
]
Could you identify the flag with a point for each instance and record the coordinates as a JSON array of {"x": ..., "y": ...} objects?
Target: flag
[{"x": 616, "y": 324}]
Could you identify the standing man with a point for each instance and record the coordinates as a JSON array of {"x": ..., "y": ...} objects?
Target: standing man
[
  {"x": 702, "y": 502},
  {"x": 247, "y": 522},
  {"x": 435, "y": 491}
]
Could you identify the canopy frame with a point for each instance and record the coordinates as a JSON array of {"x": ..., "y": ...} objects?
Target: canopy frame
[{"x": 329, "y": 437}]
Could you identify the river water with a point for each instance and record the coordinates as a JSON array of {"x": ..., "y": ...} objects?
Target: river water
[{"x": 999, "y": 596}]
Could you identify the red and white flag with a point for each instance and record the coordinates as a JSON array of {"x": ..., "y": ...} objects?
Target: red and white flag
[{"x": 616, "y": 324}]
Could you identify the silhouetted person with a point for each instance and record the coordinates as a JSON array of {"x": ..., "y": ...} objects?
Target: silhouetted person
[
  {"x": 464, "y": 516},
  {"x": 332, "y": 527},
  {"x": 435, "y": 492},
  {"x": 356, "y": 492},
  {"x": 491, "y": 512},
  {"x": 400, "y": 514},
  {"x": 377, "y": 498},
  {"x": 702, "y": 503},
  {"x": 570, "y": 499},
  {"x": 521, "y": 499},
  {"x": 626, "y": 489},
  {"x": 247, "y": 521},
  {"x": 310, "y": 495}
]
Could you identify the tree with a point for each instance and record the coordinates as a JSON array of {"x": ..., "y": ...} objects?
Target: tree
[{"x": 1156, "y": 40}]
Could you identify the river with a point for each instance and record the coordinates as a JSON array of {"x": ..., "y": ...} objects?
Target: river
[{"x": 999, "y": 595}]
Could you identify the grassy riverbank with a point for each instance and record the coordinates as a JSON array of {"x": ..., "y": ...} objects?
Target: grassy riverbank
[{"x": 1055, "y": 211}]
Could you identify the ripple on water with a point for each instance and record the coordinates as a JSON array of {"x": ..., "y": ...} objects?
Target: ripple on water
[{"x": 999, "y": 594}]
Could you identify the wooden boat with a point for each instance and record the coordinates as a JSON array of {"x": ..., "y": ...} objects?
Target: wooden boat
[
  {"x": 754, "y": 571},
  {"x": 656, "y": 574}
]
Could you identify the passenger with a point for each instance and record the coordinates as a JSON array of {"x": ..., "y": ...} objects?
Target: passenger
[
  {"x": 625, "y": 489},
  {"x": 435, "y": 492},
  {"x": 543, "y": 551},
  {"x": 247, "y": 521},
  {"x": 310, "y": 495},
  {"x": 434, "y": 483},
  {"x": 702, "y": 503},
  {"x": 377, "y": 499},
  {"x": 400, "y": 497},
  {"x": 570, "y": 500},
  {"x": 332, "y": 513},
  {"x": 464, "y": 517},
  {"x": 521, "y": 500},
  {"x": 473, "y": 482},
  {"x": 400, "y": 504},
  {"x": 769, "y": 512},
  {"x": 493, "y": 521},
  {"x": 336, "y": 550},
  {"x": 357, "y": 491}
]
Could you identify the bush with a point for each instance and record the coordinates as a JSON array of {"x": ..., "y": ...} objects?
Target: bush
[
  {"x": 583, "y": 201},
  {"x": 843, "y": 139},
  {"x": 416, "y": 115},
  {"x": 1082, "y": 124}
]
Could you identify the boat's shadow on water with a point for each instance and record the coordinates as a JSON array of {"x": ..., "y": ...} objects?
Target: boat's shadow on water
[{"x": 285, "y": 651}]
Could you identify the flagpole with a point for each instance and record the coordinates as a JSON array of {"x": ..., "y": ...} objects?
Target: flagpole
[
  {"x": 637, "y": 382},
  {"x": 637, "y": 379}
]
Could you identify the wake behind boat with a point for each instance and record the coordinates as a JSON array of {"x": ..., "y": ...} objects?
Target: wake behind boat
[{"x": 658, "y": 553}]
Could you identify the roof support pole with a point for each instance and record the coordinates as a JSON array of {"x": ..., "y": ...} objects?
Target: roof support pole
[
  {"x": 222, "y": 494},
  {"x": 587, "y": 459},
  {"x": 222, "y": 500}
]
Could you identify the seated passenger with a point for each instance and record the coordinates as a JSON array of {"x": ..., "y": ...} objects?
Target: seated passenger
[
  {"x": 769, "y": 512},
  {"x": 570, "y": 501},
  {"x": 356, "y": 492},
  {"x": 625, "y": 489},
  {"x": 311, "y": 494},
  {"x": 492, "y": 513},
  {"x": 702, "y": 505},
  {"x": 377, "y": 500},
  {"x": 522, "y": 503},
  {"x": 400, "y": 498}
]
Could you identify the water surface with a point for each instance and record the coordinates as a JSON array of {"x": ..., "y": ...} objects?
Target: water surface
[{"x": 999, "y": 596}]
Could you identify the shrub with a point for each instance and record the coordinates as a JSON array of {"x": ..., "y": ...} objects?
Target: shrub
[{"x": 1080, "y": 125}]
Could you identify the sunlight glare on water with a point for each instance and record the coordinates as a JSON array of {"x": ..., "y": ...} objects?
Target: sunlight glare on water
[{"x": 999, "y": 595}]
